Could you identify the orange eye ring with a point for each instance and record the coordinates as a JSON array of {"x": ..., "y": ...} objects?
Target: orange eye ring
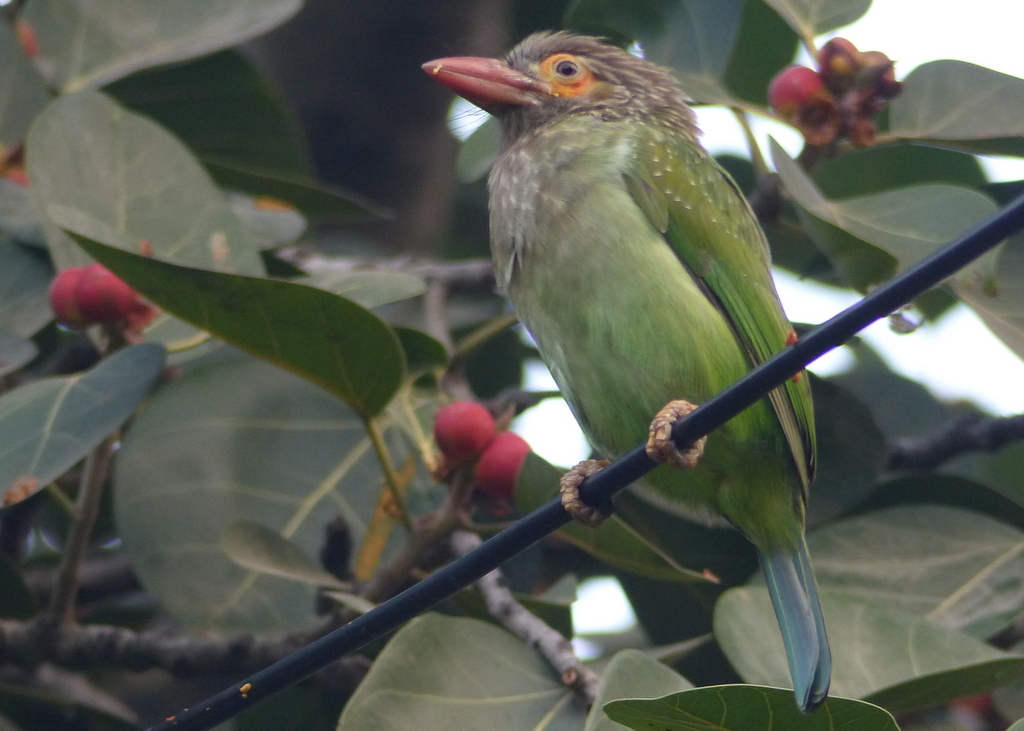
[{"x": 567, "y": 74}]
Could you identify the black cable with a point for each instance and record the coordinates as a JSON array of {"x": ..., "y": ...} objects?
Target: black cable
[{"x": 599, "y": 488}]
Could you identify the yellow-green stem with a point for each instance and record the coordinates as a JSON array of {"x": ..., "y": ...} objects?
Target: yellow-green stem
[
  {"x": 388, "y": 467},
  {"x": 756, "y": 157},
  {"x": 484, "y": 333}
]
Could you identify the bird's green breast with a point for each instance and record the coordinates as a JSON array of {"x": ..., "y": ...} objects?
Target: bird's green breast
[{"x": 623, "y": 325}]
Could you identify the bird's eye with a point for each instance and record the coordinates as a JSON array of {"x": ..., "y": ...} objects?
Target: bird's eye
[{"x": 567, "y": 69}]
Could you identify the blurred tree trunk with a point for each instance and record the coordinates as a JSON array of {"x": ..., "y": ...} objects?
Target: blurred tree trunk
[{"x": 375, "y": 123}]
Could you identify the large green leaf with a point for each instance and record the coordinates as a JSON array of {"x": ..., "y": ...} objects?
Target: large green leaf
[
  {"x": 884, "y": 167},
  {"x": 321, "y": 336},
  {"x": 879, "y": 653},
  {"x": 961, "y": 105},
  {"x": 810, "y": 18},
  {"x": 953, "y": 567},
  {"x": 15, "y": 351},
  {"x": 746, "y": 708},
  {"x": 86, "y": 152},
  {"x": 48, "y": 425},
  {"x": 615, "y": 542},
  {"x": 868, "y": 238},
  {"x": 22, "y": 93},
  {"x": 259, "y": 548},
  {"x": 222, "y": 108},
  {"x": 24, "y": 282},
  {"x": 693, "y": 37},
  {"x": 241, "y": 441},
  {"x": 19, "y": 217},
  {"x": 999, "y": 300},
  {"x": 440, "y": 673},
  {"x": 92, "y": 42},
  {"x": 632, "y": 674},
  {"x": 851, "y": 451},
  {"x": 765, "y": 43}
]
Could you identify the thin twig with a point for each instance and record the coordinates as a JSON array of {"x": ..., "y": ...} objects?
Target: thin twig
[
  {"x": 530, "y": 628},
  {"x": 87, "y": 507},
  {"x": 969, "y": 433}
]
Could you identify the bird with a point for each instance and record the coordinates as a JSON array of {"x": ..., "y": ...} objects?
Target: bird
[{"x": 641, "y": 272}]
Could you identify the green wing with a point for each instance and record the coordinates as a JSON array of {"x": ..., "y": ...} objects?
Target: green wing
[{"x": 707, "y": 221}]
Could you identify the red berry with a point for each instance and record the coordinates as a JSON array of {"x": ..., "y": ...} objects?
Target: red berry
[
  {"x": 463, "y": 430},
  {"x": 795, "y": 87},
  {"x": 26, "y": 37},
  {"x": 499, "y": 466},
  {"x": 100, "y": 296},
  {"x": 17, "y": 175},
  {"x": 62, "y": 298}
]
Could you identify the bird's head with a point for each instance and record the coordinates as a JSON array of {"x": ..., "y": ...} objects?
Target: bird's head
[{"x": 552, "y": 75}]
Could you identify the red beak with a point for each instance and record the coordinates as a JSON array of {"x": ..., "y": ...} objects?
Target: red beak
[{"x": 486, "y": 82}]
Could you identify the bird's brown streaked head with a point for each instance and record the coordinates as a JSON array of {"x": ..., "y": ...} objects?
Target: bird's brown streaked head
[{"x": 550, "y": 75}]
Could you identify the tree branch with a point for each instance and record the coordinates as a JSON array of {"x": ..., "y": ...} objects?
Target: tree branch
[
  {"x": 101, "y": 646},
  {"x": 528, "y": 627},
  {"x": 969, "y": 433}
]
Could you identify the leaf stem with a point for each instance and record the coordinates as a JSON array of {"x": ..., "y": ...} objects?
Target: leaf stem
[
  {"x": 486, "y": 331},
  {"x": 756, "y": 156},
  {"x": 87, "y": 508},
  {"x": 388, "y": 467}
]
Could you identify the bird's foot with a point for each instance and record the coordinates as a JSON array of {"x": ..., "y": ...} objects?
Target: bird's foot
[
  {"x": 660, "y": 446},
  {"x": 569, "y": 489}
]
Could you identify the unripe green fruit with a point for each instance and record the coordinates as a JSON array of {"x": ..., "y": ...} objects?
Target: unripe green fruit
[
  {"x": 463, "y": 430},
  {"x": 101, "y": 296},
  {"x": 499, "y": 466}
]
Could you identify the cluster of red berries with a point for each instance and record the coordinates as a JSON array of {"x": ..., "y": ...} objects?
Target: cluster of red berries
[
  {"x": 466, "y": 432},
  {"x": 841, "y": 98},
  {"x": 83, "y": 296}
]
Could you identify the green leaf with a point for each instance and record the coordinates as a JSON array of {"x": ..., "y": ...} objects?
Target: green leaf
[
  {"x": 884, "y": 167},
  {"x": 24, "y": 286},
  {"x": 48, "y": 425},
  {"x": 22, "y": 92},
  {"x": 746, "y": 708},
  {"x": 15, "y": 351},
  {"x": 879, "y": 653},
  {"x": 422, "y": 352},
  {"x": 136, "y": 181},
  {"x": 868, "y": 238},
  {"x": 999, "y": 300},
  {"x": 1018, "y": 726},
  {"x": 764, "y": 45},
  {"x": 320, "y": 336},
  {"x": 259, "y": 548},
  {"x": 952, "y": 567},
  {"x": 631, "y": 674},
  {"x": 94, "y": 42},
  {"x": 961, "y": 105},
  {"x": 223, "y": 108},
  {"x": 811, "y": 18},
  {"x": 241, "y": 441},
  {"x": 695, "y": 38},
  {"x": 369, "y": 288},
  {"x": 851, "y": 451},
  {"x": 614, "y": 542},
  {"x": 19, "y": 217},
  {"x": 440, "y": 673},
  {"x": 311, "y": 197}
]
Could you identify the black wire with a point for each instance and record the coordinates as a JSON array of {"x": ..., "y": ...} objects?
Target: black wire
[{"x": 600, "y": 487}]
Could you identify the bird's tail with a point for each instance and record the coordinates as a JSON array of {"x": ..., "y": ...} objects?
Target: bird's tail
[{"x": 795, "y": 598}]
